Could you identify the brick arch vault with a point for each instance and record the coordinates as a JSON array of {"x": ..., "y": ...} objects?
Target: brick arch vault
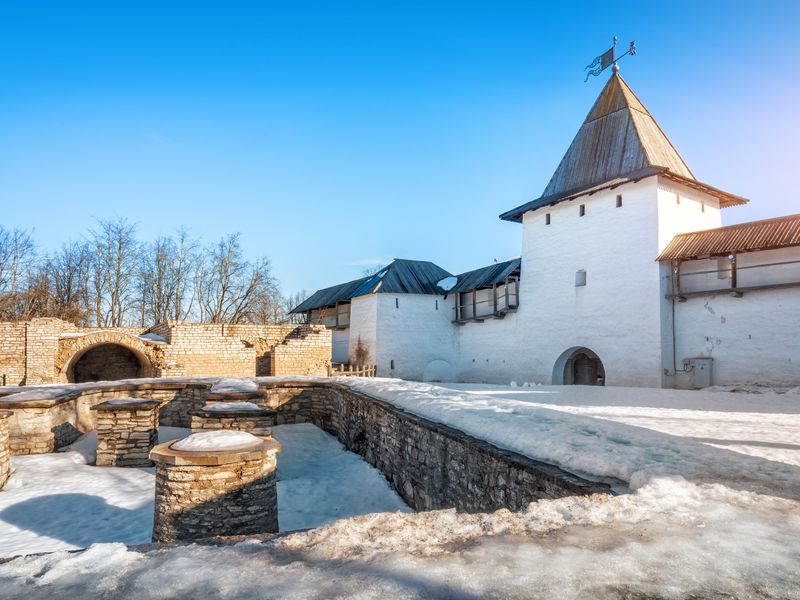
[{"x": 71, "y": 350}]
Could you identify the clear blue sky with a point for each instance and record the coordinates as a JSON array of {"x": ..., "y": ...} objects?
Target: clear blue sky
[{"x": 335, "y": 135}]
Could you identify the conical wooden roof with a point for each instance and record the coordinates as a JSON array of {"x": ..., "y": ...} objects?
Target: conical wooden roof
[
  {"x": 618, "y": 142},
  {"x": 619, "y": 136}
]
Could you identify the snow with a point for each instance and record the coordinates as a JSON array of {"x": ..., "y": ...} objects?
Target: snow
[
  {"x": 624, "y": 433},
  {"x": 221, "y": 440},
  {"x": 448, "y": 283},
  {"x": 61, "y": 502},
  {"x": 153, "y": 337},
  {"x": 713, "y": 510},
  {"x": 226, "y": 406},
  {"x": 235, "y": 385},
  {"x": 670, "y": 540},
  {"x": 319, "y": 482},
  {"x": 123, "y": 401}
]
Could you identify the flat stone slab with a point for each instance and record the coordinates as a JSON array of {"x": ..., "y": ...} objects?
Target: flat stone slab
[
  {"x": 127, "y": 404},
  {"x": 216, "y": 410},
  {"x": 164, "y": 453}
]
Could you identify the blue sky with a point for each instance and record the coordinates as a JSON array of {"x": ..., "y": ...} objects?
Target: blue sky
[{"x": 337, "y": 135}]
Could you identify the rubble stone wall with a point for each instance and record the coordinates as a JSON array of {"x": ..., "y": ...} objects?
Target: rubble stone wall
[
  {"x": 5, "y": 453},
  {"x": 46, "y": 350}
]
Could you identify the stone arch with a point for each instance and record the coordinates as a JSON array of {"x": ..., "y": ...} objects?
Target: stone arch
[
  {"x": 438, "y": 370},
  {"x": 73, "y": 349},
  {"x": 579, "y": 366}
]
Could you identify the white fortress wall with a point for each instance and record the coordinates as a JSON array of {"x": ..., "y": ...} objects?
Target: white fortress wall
[
  {"x": 415, "y": 334},
  {"x": 616, "y": 314},
  {"x": 363, "y": 320},
  {"x": 754, "y": 338}
]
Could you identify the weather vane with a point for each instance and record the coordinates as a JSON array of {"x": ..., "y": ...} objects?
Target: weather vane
[{"x": 606, "y": 59}]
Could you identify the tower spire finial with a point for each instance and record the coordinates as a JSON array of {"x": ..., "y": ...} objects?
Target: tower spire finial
[{"x": 607, "y": 59}]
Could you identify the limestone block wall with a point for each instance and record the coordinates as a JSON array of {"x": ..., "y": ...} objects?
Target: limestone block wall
[
  {"x": 12, "y": 352},
  {"x": 205, "y": 350},
  {"x": 307, "y": 354},
  {"x": 431, "y": 466},
  {"x": 127, "y": 429},
  {"x": 256, "y": 421},
  {"x": 5, "y": 454}
]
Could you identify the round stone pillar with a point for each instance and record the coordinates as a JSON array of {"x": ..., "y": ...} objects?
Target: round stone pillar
[
  {"x": 215, "y": 483},
  {"x": 127, "y": 429},
  {"x": 5, "y": 466}
]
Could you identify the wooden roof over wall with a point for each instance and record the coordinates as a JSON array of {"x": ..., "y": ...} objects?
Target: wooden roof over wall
[{"x": 769, "y": 234}]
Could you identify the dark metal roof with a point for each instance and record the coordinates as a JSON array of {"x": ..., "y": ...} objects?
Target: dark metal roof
[
  {"x": 618, "y": 142},
  {"x": 769, "y": 234},
  {"x": 485, "y": 276},
  {"x": 401, "y": 276},
  {"x": 330, "y": 296}
]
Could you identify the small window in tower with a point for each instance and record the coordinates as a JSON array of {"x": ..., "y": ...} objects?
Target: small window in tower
[
  {"x": 547, "y": 219},
  {"x": 397, "y": 302},
  {"x": 702, "y": 206},
  {"x": 619, "y": 200},
  {"x": 391, "y": 364},
  {"x": 580, "y": 278},
  {"x": 582, "y": 210},
  {"x": 437, "y": 305},
  {"x": 677, "y": 198}
]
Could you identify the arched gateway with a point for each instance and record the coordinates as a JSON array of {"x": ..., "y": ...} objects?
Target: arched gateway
[
  {"x": 579, "y": 366},
  {"x": 104, "y": 356}
]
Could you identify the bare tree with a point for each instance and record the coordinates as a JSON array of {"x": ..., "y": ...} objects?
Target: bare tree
[
  {"x": 230, "y": 289},
  {"x": 67, "y": 272},
  {"x": 113, "y": 270},
  {"x": 17, "y": 257}
]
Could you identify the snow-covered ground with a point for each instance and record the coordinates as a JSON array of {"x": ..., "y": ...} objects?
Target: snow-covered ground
[
  {"x": 60, "y": 501},
  {"x": 713, "y": 512}
]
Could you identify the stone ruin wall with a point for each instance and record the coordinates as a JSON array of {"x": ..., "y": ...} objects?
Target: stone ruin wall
[
  {"x": 431, "y": 465},
  {"x": 41, "y": 350}
]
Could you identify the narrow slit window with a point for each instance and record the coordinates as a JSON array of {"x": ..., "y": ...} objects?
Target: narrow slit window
[
  {"x": 547, "y": 219},
  {"x": 582, "y": 210},
  {"x": 702, "y": 206},
  {"x": 437, "y": 305},
  {"x": 391, "y": 364},
  {"x": 677, "y": 198},
  {"x": 397, "y": 302},
  {"x": 619, "y": 200}
]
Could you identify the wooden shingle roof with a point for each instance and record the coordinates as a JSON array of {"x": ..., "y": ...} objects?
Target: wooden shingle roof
[
  {"x": 769, "y": 234},
  {"x": 618, "y": 142}
]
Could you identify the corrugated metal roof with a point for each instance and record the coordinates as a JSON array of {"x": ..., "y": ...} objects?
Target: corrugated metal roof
[
  {"x": 618, "y": 142},
  {"x": 485, "y": 276},
  {"x": 769, "y": 234},
  {"x": 401, "y": 276}
]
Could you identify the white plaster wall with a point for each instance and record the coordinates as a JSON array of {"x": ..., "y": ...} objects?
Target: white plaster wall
[
  {"x": 415, "y": 331},
  {"x": 695, "y": 211},
  {"x": 495, "y": 351},
  {"x": 752, "y": 339},
  {"x": 363, "y": 319},
  {"x": 617, "y": 314},
  {"x": 340, "y": 348}
]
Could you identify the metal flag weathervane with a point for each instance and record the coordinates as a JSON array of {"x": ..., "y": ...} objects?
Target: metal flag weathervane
[{"x": 606, "y": 59}]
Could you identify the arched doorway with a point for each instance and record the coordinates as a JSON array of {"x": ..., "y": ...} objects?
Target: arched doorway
[
  {"x": 579, "y": 366},
  {"x": 106, "y": 362}
]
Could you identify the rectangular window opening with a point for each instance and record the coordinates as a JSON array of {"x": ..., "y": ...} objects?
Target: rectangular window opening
[
  {"x": 702, "y": 206},
  {"x": 437, "y": 305},
  {"x": 547, "y": 219},
  {"x": 580, "y": 278},
  {"x": 582, "y": 210},
  {"x": 619, "y": 200},
  {"x": 391, "y": 364},
  {"x": 677, "y": 198},
  {"x": 397, "y": 302}
]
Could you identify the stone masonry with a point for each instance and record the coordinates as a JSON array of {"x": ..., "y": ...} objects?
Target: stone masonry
[
  {"x": 215, "y": 493},
  {"x": 233, "y": 415},
  {"x": 53, "y": 351},
  {"x": 5, "y": 453},
  {"x": 127, "y": 429}
]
